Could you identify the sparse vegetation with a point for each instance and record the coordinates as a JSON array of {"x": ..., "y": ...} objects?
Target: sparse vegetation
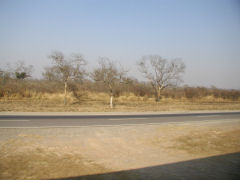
[{"x": 23, "y": 93}]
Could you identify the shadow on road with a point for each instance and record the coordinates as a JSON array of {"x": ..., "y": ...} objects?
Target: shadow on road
[{"x": 223, "y": 167}]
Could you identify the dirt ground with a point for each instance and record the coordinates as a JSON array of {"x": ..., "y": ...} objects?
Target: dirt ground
[{"x": 167, "y": 151}]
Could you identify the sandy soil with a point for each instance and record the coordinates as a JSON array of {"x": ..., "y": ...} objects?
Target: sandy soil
[{"x": 82, "y": 152}]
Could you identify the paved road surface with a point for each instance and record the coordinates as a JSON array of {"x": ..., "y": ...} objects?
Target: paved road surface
[{"x": 47, "y": 121}]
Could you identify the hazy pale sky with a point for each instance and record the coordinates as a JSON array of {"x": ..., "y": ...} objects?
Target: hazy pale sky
[{"x": 205, "y": 34}]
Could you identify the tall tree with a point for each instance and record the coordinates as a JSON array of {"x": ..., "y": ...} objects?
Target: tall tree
[
  {"x": 109, "y": 74},
  {"x": 160, "y": 72},
  {"x": 65, "y": 69}
]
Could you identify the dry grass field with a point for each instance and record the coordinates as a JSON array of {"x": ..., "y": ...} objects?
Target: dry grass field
[
  {"x": 99, "y": 102},
  {"x": 169, "y": 151}
]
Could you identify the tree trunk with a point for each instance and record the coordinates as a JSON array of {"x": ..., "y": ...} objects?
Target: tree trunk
[
  {"x": 158, "y": 93},
  {"x": 111, "y": 101},
  {"x": 111, "y": 96},
  {"x": 65, "y": 92}
]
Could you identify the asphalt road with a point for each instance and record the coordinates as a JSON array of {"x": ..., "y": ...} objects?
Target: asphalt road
[{"x": 55, "y": 121}]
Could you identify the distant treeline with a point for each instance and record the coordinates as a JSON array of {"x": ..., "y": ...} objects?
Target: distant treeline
[
  {"x": 30, "y": 88},
  {"x": 68, "y": 75}
]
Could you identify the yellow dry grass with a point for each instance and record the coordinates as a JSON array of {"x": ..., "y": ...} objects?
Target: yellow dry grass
[
  {"x": 99, "y": 102},
  {"x": 217, "y": 141},
  {"x": 42, "y": 163}
]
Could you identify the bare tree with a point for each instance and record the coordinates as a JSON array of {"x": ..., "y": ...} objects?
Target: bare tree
[
  {"x": 65, "y": 69},
  {"x": 109, "y": 74},
  {"x": 160, "y": 72},
  {"x": 50, "y": 74}
]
